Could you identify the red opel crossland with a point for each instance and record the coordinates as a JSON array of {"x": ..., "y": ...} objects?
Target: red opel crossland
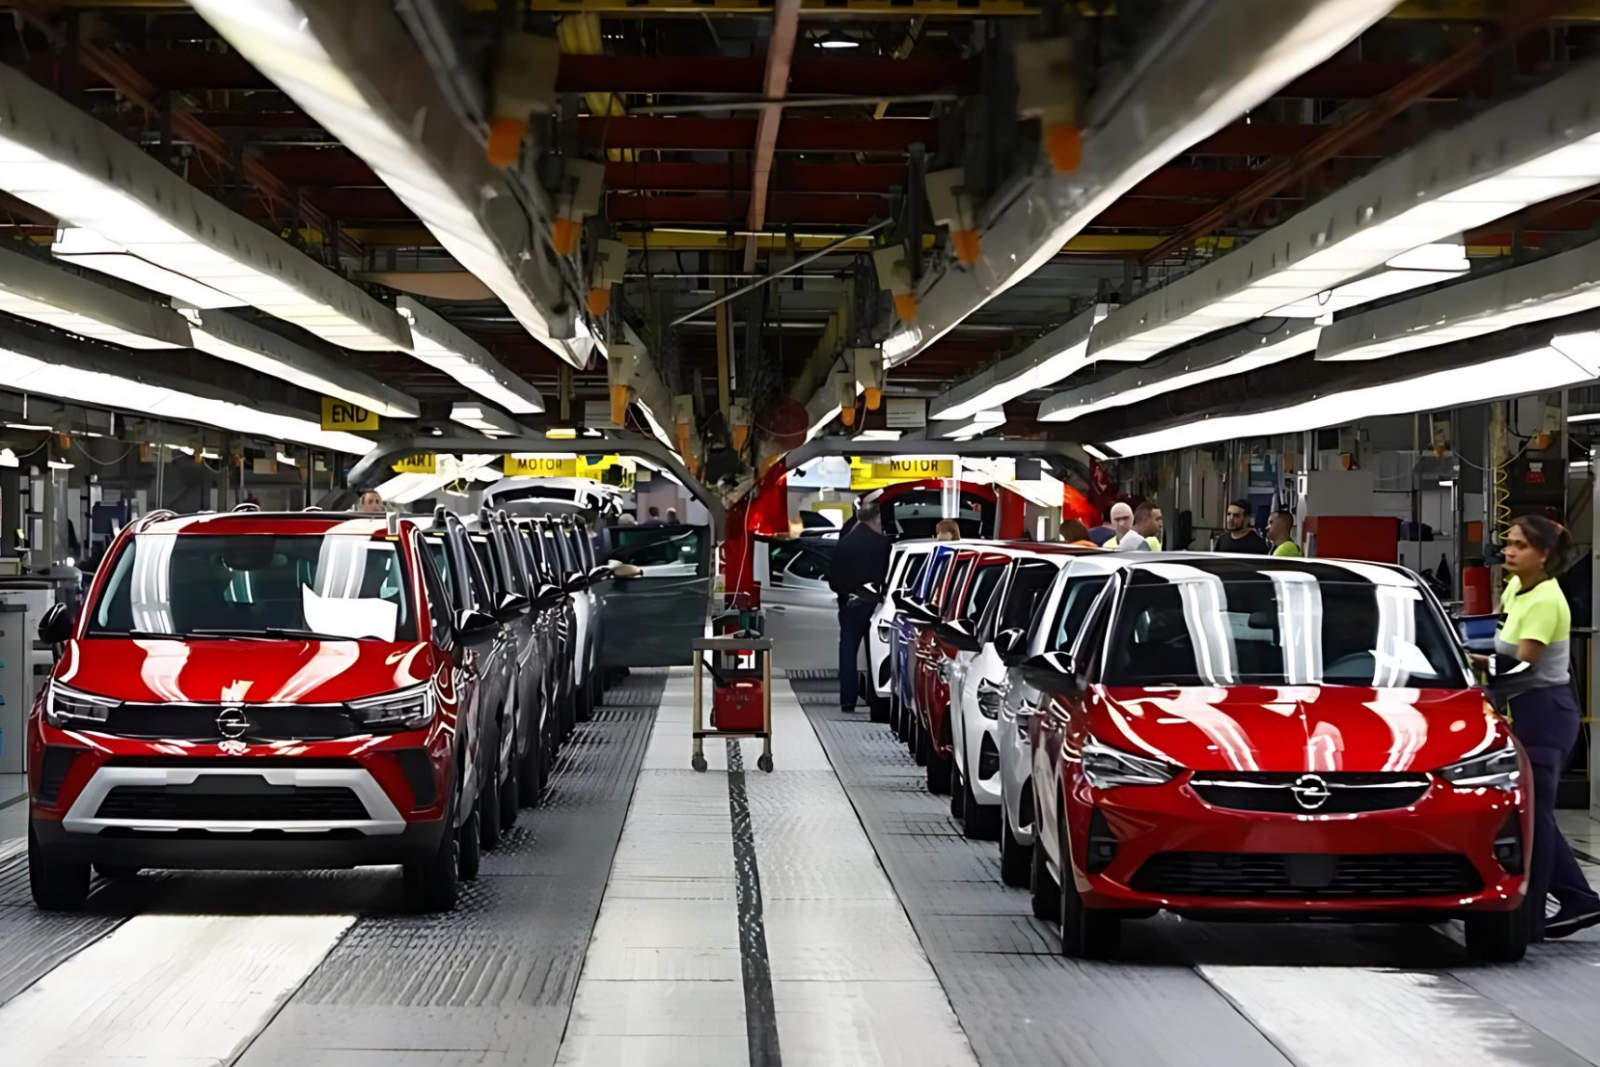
[
  {"x": 1272, "y": 738},
  {"x": 258, "y": 691}
]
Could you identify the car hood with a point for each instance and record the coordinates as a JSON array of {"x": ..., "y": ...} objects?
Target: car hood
[
  {"x": 1298, "y": 728},
  {"x": 308, "y": 672}
]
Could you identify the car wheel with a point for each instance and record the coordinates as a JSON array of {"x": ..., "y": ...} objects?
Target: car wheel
[
  {"x": 530, "y": 770},
  {"x": 597, "y": 687},
  {"x": 896, "y": 720},
  {"x": 1499, "y": 936},
  {"x": 116, "y": 873},
  {"x": 938, "y": 773},
  {"x": 489, "y": 800},
  {"x": 1014, "y": 858},
  {"x": 432, "y": 883},
  {"x": 1046, "y": 894},
  {"x": 56, "y": 884},
  {"x": 469, "y": 847},
  {"x": 919, "y": 743},
  {"x": 1086, "y": 933},
  {"x": 958, "y": 792},
  {"x": 982, "y": 821},
  {"x": 510, "y": 797},
  {"x": 878, "y": 706}
]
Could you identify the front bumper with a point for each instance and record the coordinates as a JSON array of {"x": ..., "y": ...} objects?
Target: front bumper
[
  {"x": 264, "y": 850},
  {"x": 1172, "y": 822}
]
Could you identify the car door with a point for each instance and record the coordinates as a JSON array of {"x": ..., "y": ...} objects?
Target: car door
[
  {"x": 801, "y": 610},
  {"x": 656, "y": 607},
  {"x": 989, "y": 569}
]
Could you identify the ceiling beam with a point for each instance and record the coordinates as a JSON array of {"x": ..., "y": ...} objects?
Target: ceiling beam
[
  {"x": 774, "y": 86},
  {"x": 792, "y": 177},
  {"x": 745, "y": 75},
  {"x": 889, "y": 137}
]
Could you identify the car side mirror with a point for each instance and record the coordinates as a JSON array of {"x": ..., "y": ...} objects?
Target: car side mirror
[
  {"x": 873, "y": 590},
  {"x": 549, "y": 594},
  {"x": 475, "y": 629},
  {"x": 1053, "y": 672},
  {"x": 1008, "y": 642},
  {"x": 599, "y": 574},
  {"x": 576, "y": 582},
  {"x": 957, "y": 633},
  {"x": 512, "y": 605},
  {"x": 55, "y": 627}
]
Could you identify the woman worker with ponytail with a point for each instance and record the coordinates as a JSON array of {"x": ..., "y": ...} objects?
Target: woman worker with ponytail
[{"x": 1533, "y": 680}]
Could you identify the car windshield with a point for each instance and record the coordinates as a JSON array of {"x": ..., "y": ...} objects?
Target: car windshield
[
  {"x": 243, "y": 585},
  {"x": 1182, "y": 625},
  {"x": 657, "y": 546}
]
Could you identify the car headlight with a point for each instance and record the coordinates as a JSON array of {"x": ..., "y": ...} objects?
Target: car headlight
[
  {"x": 1499, "y": 769},
  {"x": 1107, "y": 767},
  {"x": 404, "y": 709},
  {"x": 66, "y": 707}
]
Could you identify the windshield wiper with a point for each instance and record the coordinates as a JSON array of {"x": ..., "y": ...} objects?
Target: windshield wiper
[
  {"x": 141, "y": 635},
  {"x": 270, "y": 633}
]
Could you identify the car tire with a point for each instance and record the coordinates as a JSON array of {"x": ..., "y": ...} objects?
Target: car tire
[
  {"x": 583, "y": 704},
  {"x": 1046, "y": 894},
  {"x": 1015, "y": 858},
  {"x": 1499, "y": 936},
  {"x": 530, "y": 769},
  {"x": 489, "y": 801},
  {"x": 510, "y": 797},
  {"x": 433, "y": 884},
  {"x": 878, "y": 706},
  {"x": 919, "y": 743},
  {"x": 894, "y": 714},
  {"x": 981, "y": 822},
  {"x": 469, "y": 848},
  {"x": 938, "y": 773},
  {"x": 958, "y": 792},
  {"x": 1086, "y": 933},
  {"x": 597, "y": 687},
  {"x": 56, "y": 884}
]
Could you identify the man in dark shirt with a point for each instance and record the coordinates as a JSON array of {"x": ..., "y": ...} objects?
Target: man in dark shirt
[
  {"x": 861, "y": 559},
  {"x": 1239, "y": 537}
]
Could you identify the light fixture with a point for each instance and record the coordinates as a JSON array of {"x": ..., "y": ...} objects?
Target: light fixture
[
  {"x": 1541, "y": 369},
  {"x": 60, "y": 159},
  {"x": 1392, "y": 280},
  {"x": 445, "y": 348},
  {"x": 206, "y": 453},
  {"x": 1057, "y": 355},
  {"x": 342, "y": 66},
  {"x": 837, "y": 39},
  {"x": 37, "y": 427},
  {"x": 486, "y": 420},
  {"x": 1548, "y": 288},
  {"x": 39, "y": 290},
  {"x": 1542, "y": 144},
  {"x": 561, "y": 433},
  {"x": 238, "y": 341},
  {"x": 1237, "y": 352},
  {"x": 1591, "y": 417},
  {"x": 828, "y": 415},
  {"x": 979, "y": 423},
  {"x": 8, "y": 458},
  {"x": 1096, "y": 453},
  {"x": 76, "y": 374},
  {"x": 286, "y": 459},
  {"x": 878, "y": 435},
  {"x": 899, "y": 344},
  {"x": 59, "y": 465},
  {"x": 85, "y": 248}
]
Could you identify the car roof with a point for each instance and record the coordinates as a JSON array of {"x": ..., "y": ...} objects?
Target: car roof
[
  {"x": 355, "y": 524},
  {"x": 1236, "y": 567}
]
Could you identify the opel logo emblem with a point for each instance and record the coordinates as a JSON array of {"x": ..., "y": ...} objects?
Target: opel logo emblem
[
  {"x": 232, "y": 724},
  {"x": 1310, "y": 791}
]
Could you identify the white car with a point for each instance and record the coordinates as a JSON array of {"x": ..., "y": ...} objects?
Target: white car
[
  {"x": 1051, "y": 628},
  {"x": 906, "y": 560}
]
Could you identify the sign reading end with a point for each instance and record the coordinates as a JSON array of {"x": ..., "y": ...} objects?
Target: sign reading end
[{"x": 343, "y": 415}]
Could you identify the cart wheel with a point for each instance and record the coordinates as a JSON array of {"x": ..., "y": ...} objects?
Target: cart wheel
[
  {"x": 765, "y": 763},
  {"x": 698, "y": 763}
]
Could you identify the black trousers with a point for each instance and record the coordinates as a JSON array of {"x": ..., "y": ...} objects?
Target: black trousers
[
  {"x": 855, "y": 616},
  {"x": 1546, "y": 722}
]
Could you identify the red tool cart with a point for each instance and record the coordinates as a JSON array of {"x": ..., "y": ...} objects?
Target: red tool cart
[{"x": 741, "y": 693}]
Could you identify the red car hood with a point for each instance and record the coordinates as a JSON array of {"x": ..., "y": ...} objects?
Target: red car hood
[
  {"x": 307, "y": 672},
  {"x": 1298, "y": 728}
]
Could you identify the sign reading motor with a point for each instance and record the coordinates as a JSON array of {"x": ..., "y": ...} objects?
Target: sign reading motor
[{"x": 343, "y": 415}]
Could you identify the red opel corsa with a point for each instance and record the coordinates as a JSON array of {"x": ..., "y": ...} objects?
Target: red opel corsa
[
  {"x": 258, "y": 691},
  {"x": 1273, "y": 738}
]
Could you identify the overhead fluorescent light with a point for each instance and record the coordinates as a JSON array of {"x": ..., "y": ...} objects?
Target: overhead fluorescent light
[
  {"x": 1527, "y": 372},
  {"x": 899, "y": 344},
  {"x": 878, "y": 435},
  {"x": 286, "y": 459},
  {"x": 486, "y": 420},
  {"x": 979, "y": 423},
  {"x": 1392, "y": 280},
  {"x": 1096, "y": 453},
  {"x": 60, "y": 159},
  {"x": 1540, "y": 145},
  {"x": 821, "y": 424},
  {"x": 561, "y": 433},
  {"x": 85, "y": 248},
  {"x": 59, "y": 465},
  {"x": 1238, "y": 352},
  {"x": 8, "y": 458},
  {"x": 238, "y": 341},
  {"x": 1591, "y": 417},
  {"x": 1548, "y": 288},
  {"x": 1055, "y": 356},
  {"x": 37, "y": 427},
  {"x": 445, "y": 348},
  {"x": 82, "y": 377},
  {"x": 354, "y": 73},
  {"x": 207, "y": 453},
  {"x": 39, "y": 290}
]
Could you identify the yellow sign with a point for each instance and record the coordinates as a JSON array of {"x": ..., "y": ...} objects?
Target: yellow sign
[
  {"x": 536, "y": 466},
  {"x": 343, "y": 415},
  {"x": 864, "y": 475},
  {"x": 417, "y": 463}
]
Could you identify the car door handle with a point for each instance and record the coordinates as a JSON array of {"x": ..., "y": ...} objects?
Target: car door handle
[{"x": 778, "y": 609}]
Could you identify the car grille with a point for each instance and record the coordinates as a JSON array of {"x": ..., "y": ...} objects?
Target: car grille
[
  {"x": 232, "y": 798},
  {"x": 1348, "y": 793},
  {"x": 1316, "y": 875},
  {"x": 198, "y": 722}
]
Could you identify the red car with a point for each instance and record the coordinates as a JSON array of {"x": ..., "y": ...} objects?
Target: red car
[
  {"x": 259, "y": 691},
  {"x": 1278, "y": 738},
  {"x": 930, "y": 691}
]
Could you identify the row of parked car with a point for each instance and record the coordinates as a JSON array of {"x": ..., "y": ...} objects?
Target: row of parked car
[
  {"x": 1212, "y": 735},
  {"x": 309, "y": 690}
]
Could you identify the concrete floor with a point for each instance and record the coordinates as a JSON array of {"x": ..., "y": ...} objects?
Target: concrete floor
[{"x": 829, "y": 913}]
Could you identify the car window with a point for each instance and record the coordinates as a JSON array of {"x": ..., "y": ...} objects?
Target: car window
[
  {"x": 440, "y": 603},
  {"x": 953, "y": 586},
  {"x": 1028, "y": 587},
  {"x": 984, "y": 584},
  {"x": 808, "y": 564},
  {"x": 1279, "y": 628},
  {"x": 489, "y": 560},
  {"x": 340, "y": 585},
  {"x": 681, "y": 547},
  {"x": 935, "y": 574},
  {"x": 1076, "y": 599},
  {"x": 439, "y": 551},
  {"x": 912, "y": 570}
]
